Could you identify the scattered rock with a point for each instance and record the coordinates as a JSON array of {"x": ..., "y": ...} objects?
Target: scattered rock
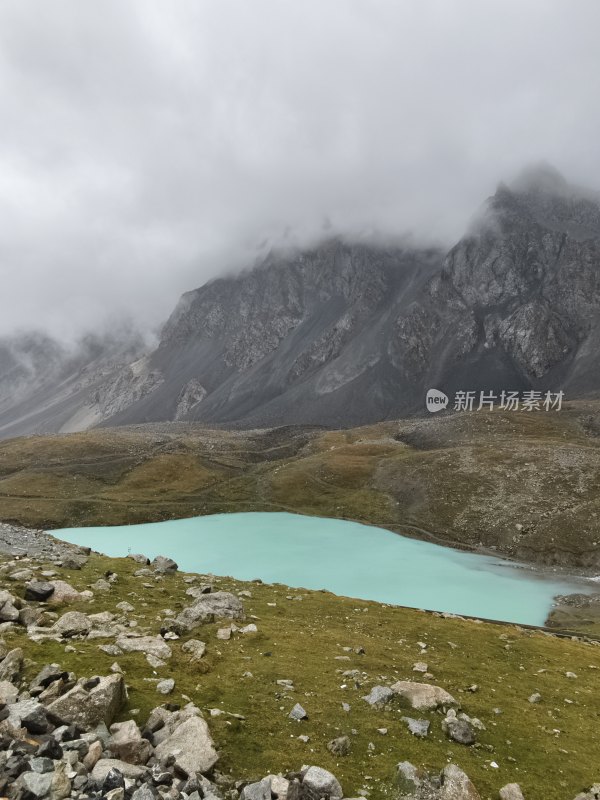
[
  {"x": 101, "y": 586},
  {"x": 249, "y": 628},
  {"x": 379, "y": 696},
  {"x": 105, "y": 766},
  {"x": 323, "y": 783},
  {"x": 139, "y": 558},
  {"x": 11, "y": 665},
  {"x": 127, "y": 744},
  {"x": 298, "y": 713},
  {"x": 408, "y": 779},
  {"x": 75, "y": 561},
  {"x": 73, "y": 623},
  {"x": 38, "y": 590},
  {"x": 88, "y": 708},
  {"x": 165, "y": 686},
  {"x": 418, "y": 727},
  {"x": 512, "y": 791},
  {"x": 456, "y": 785},
  {"x": 8, "y": 609},
  {"x": 35, "y": 784},
  {"x": 191, "y": 745},
  {"x": 207, "y": 608},
  {"x": 423, "y": 696},
  {"x": 261, "y": 790},
  {"x": 340, "y": 746},
  {"x": 8, "y": 692},
  {"x": 150, "y": 645},
  {"x": 457, "y": 729},
  {"x": 162, "y": 564},
  {"x": 64, "y": 593},
  {"x": 195, "y": 648}
]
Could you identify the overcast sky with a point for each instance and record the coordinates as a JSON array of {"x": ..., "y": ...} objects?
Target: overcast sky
[{"x": 147, "y": 146}]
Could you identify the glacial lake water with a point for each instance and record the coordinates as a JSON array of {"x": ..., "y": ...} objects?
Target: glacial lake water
[{"x": 346, "y": 558}]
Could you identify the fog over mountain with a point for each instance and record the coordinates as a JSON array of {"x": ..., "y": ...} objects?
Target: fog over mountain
[
  {"x": 147, "y": 147},
  {"x": 345, "y": 332}
]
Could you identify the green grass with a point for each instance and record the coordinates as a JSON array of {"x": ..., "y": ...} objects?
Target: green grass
[{"x": 305, "y": 636}]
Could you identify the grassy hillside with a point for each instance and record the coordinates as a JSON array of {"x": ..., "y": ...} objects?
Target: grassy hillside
[
  {"x": 548, "y": 747},
  {"x": 527, "y": 484}
]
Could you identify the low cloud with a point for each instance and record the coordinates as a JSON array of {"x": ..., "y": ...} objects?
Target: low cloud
[{"x": 147, "y": 147}]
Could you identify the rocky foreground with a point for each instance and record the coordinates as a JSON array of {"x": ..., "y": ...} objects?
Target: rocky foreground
[{"x": 67, "y": 733}]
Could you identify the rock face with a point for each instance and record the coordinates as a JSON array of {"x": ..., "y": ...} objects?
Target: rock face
[{"x": 344, "y": 334}]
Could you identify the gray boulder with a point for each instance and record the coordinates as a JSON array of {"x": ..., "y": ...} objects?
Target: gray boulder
[
  {"x": 28, "y": 714},
  {"x": 88, "y": 708},
  {"x": 423, "y": 696},
  {"x": 456, "y": 785},
  {"x": 418, "y": 727},
  {"x": 408, "y": 779},
  {"x": 73, "y": 623},
  {"x": 74, "y": 561},
  {"x": 162, "y": 564},
  {"x": 324, "y": 783},
  {"x": 379, "y": 696},
  {"x": 191, "y": 745},
  {"x": 195, "y": 648},
  {"x": 207, "y": 608},
  {"x": 126, "y": 743},
  {"x": 165, "y": 686},
  {"x": 298, "y": 713},
  {"x": 61, "y": 783},
  {"x": 64, "y": 593},
  {"x": 8, "y": 692},
  {"x": 149, "y": 645},
  {"x": 11, "y": 665},
  {"x": 105, "y": 765},
  {"x": 512, "y": 791},
  {"x": 8, "y": 610},
  {"x": 340, "y": 746},
  {"x": 139, "y": 558},
  {"x": 261, "y": 790},
  {"x": 38, "y": 590},
  {"x": 36, "y": 784},
  {"x": 458, "y": 729}
]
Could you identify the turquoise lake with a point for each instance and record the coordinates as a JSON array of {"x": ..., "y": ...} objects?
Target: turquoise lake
[{"x": 344, "y": 557}]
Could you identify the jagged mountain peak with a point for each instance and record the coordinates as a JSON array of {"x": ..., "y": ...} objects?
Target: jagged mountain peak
[
  {"x": 342, "y": 333},
  {"x": 540, "y": 196}
]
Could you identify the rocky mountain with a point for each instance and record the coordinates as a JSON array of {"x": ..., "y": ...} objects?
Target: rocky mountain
[
  {"x": 46, "y": 386},
  {"x": 347, "y": 333}
]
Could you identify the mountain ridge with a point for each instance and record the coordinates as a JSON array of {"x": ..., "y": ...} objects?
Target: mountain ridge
[{"x": 349, "y": 333}]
